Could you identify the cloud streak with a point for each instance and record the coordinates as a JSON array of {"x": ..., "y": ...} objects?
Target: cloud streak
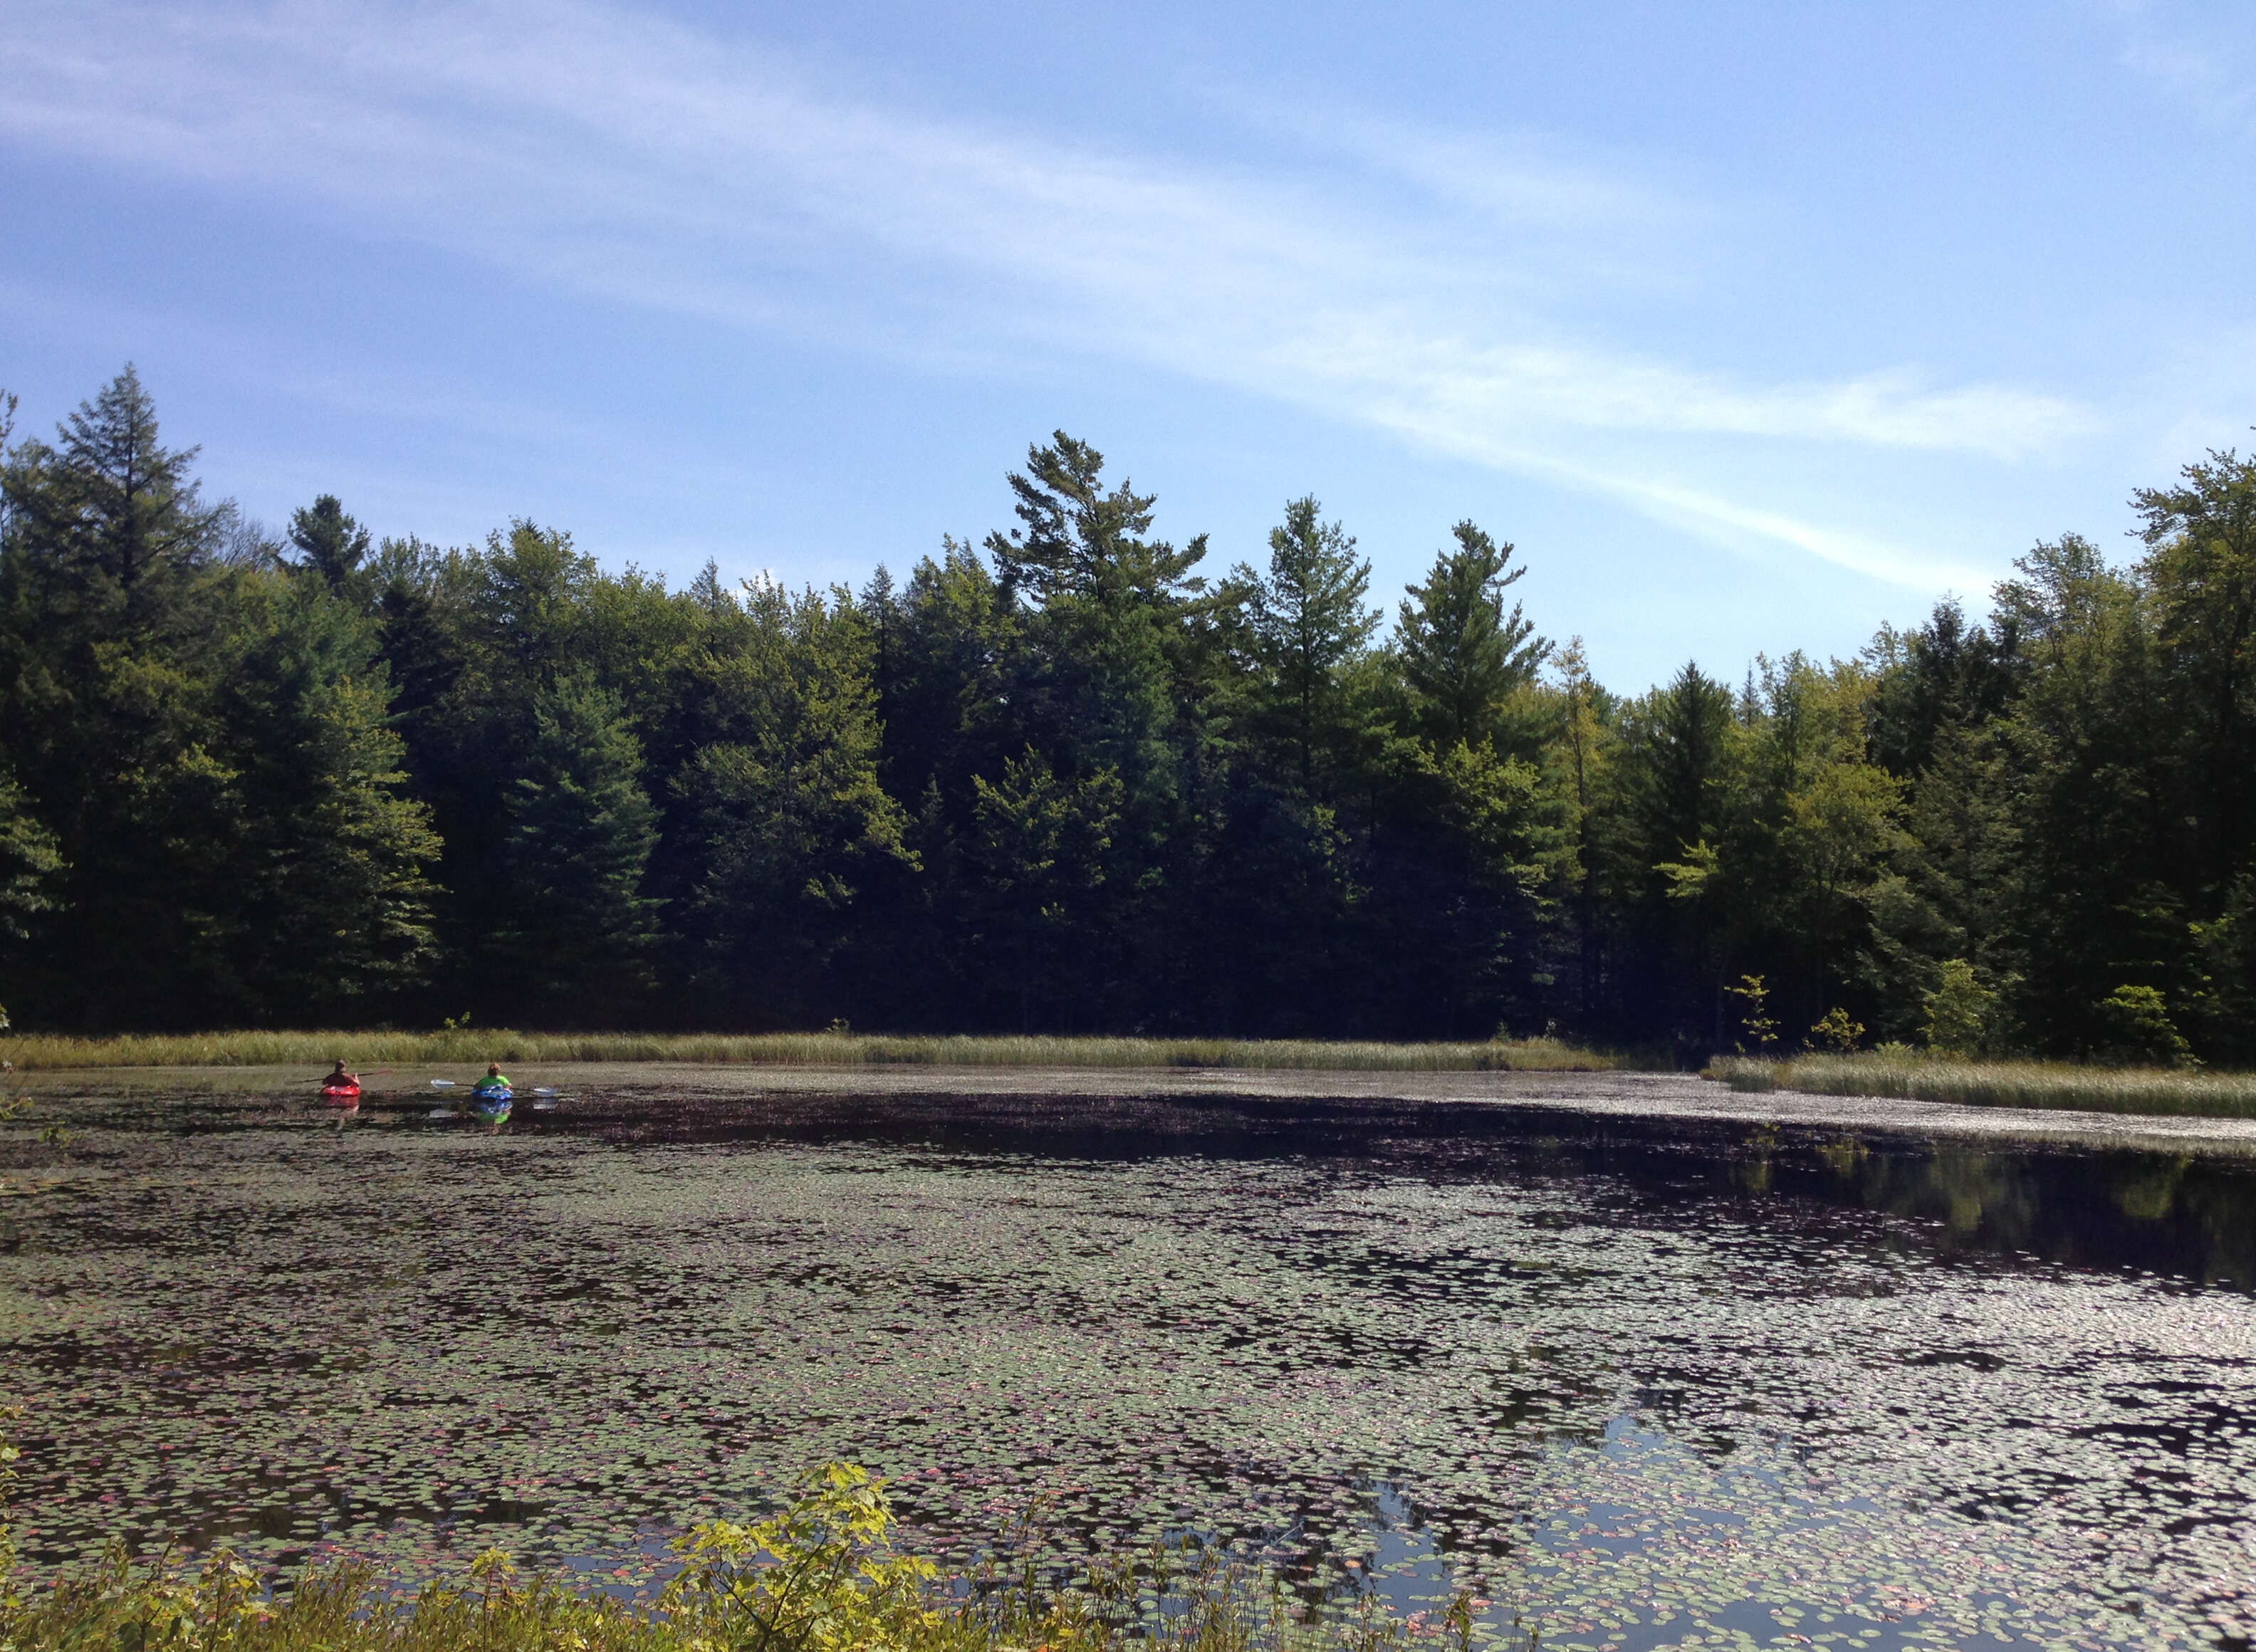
[
  {"x": 1415, "y": 290},
  {"x": 2206, "y": 61}
]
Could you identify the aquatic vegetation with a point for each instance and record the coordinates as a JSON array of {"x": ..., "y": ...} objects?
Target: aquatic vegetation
[
  {"x": 1914, "y": 1075},
  {"x": 1751, "y": 1075},
  {"x": 828, "y": 1049},
  {"x": 1633, "y": 1383}
]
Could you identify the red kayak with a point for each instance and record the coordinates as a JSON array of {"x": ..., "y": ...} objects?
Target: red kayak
[{"x": 342, "y": 1095}]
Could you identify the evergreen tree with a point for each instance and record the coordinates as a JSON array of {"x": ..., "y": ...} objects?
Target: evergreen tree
[
  {"x": 1104, "y": 663},
  {"x": 1043, "y": 844},
  {"x": 106, "y": 655},
  {"x": 946, "y": 662},
  {"x": 332, "y": 545},
  {"x": 1949, "y": 895},
  {"x": 113, "y": 517},
  {"x": 1462, "y": 656},
  {"x": 1940, "y": 720},
  {"x": 1473, "y": 844},
  {"x": 331, "y": 906},
  {"x": 1582, "y": 761},
  {"x": 783, "y": 819},
  {"x": 422, "y": 609},
  {"x": 1676, "y": 763},
  {"x": 1078, "y": 790},
  {"x": 573, "y": 934},
  {"x": 1944, "y": 674},
  {"x": 1076, "y": 542},
  {"x": 2106, "y": 837},
  {"x": 2199, "y": 573},
  {"x": 1107, "y": 680},
  {"x": 1308, "y": 622}
]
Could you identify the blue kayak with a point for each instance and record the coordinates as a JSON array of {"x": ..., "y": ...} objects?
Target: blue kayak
[{"x": 491, "y": 1101}]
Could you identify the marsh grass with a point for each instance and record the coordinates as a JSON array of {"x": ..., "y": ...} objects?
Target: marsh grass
[
  {"x": 1916, "y": 1075},
  {"x": 790, "y": 1050},
  {"x": 821, "y": 1576}
]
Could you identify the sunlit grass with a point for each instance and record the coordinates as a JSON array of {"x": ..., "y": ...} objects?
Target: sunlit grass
[
  {"x": 791, "y": 1049},
  {"x": 1916, "y": 1075}
]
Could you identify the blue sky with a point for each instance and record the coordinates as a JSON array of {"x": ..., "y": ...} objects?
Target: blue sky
[{"x": 1753, "y": 326}]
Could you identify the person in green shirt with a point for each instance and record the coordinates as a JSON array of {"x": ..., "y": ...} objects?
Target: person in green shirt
[{"x": 494, "y": 1078}]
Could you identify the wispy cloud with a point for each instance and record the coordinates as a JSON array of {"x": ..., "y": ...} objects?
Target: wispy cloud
[
  {"x": 1413, "y": 288},
  {"x": 2205, "y": 58}
]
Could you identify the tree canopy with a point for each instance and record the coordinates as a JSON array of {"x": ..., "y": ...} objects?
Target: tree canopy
[{"x": 1062, "y": 781}]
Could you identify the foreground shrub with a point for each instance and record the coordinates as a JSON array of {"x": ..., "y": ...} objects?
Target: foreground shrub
[{"x": 819, "y": 1577}]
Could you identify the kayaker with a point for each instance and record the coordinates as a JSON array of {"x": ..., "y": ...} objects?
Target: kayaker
[
  {"x": 494, "y": 1078},
  {"x": 339, "y": 1079}
]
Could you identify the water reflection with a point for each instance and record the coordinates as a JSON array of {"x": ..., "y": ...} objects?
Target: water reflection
[{"x": 2183, "y": 1215}]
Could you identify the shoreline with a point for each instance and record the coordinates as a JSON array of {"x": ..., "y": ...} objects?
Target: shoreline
[
  {"x": 1616, "y": 1094},
  {"x": 240, "y": 1048}
]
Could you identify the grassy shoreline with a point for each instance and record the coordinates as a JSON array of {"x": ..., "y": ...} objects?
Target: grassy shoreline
[
  {"x": 38, "y": 1051},
  {"x": 2044, "y": 1085},
  {"x": 1910, "y": 1075}
]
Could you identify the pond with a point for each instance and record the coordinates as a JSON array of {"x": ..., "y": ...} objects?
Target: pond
[{"x": 1639, "y": 1377}]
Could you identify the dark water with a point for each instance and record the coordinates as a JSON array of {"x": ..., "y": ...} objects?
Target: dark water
[{"x": 1653, "y": 1385}]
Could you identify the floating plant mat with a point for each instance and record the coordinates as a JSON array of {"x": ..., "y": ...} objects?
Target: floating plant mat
[{"x": 1645, "y": 1385}]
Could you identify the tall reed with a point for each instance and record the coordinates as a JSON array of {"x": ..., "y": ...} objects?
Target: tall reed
[
  {"x": 788, "y": 1049},
  {"x": 1917, "y": 1076}
]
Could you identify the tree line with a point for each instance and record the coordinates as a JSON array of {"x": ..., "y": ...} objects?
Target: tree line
[{"x": 1069, "y": 780}]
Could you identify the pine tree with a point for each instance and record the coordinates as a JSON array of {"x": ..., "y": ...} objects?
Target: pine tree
[
  {"x": 1077, "y": 541},
  {"x": 1461, "y": 654},
  {"x": 2199, "y": 576},
  {"x": 114, "y": 515},
  {"x": 331, "y": 910},
  {"x": 1043, "y": 843},
  {"x": 782, "y": 821},
  {"x": 332, "y": 545},
  {"x": 2105, "y": 832},
  {"x": 574, "y": 932},
  {"x": 1107, "y": 678},
  {"x": 1583, "y": 759},
  {"x": 109, "y": 613},
  {"x": 1308, "y": 622},
  {"x": 1677, "y": 774}
]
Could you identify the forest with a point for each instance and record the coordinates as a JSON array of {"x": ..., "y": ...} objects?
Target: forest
[{"x": 1075, "y": 778}]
